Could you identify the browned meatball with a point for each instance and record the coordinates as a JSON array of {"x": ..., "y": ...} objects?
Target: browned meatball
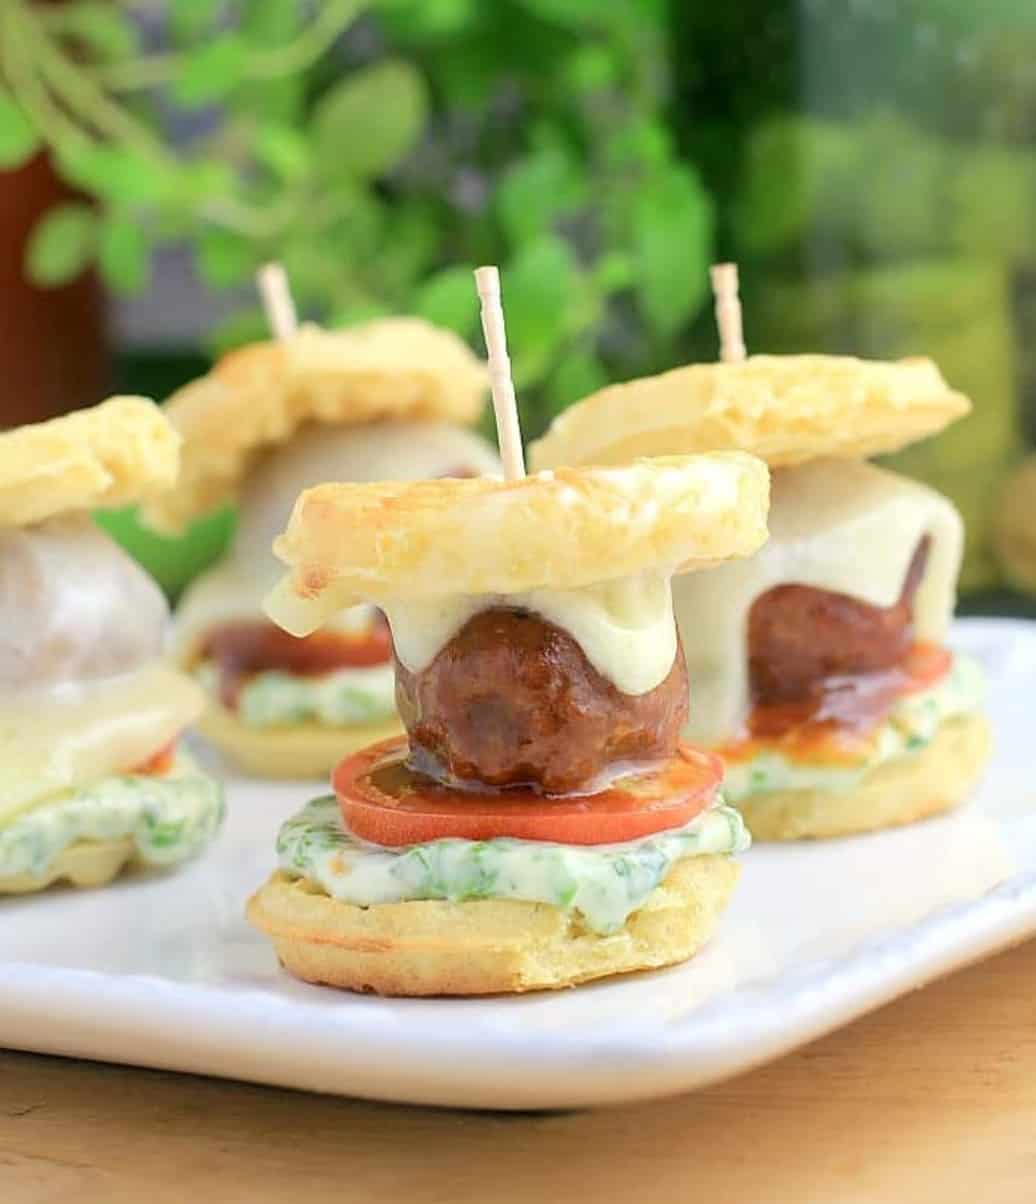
[
  {"x": 512, "y": 700},
  {"x": 799, "y": 636}
]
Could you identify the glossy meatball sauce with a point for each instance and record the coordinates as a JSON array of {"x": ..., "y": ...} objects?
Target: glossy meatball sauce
[
  {"x": 801, "y": 639},
  {"x": 512, "y": 700}
]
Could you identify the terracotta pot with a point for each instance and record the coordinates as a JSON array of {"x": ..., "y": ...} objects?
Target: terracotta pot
[{"x": 54, "y": 345}]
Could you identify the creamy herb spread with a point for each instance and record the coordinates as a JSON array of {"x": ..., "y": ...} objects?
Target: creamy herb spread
[
  {"x": 168, "y": 817},
  {"x": 604, "y": 883},
  {"x": 337, "y": 699},
  {"x": 911, "y": 725}
]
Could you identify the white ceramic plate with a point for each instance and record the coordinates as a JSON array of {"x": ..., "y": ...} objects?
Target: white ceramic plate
[{"x": 164, "y": 971}]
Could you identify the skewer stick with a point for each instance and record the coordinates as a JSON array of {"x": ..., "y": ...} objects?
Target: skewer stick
[
  {"x": 728, "y": 312},
  {"x": 276, "y": 294},
  {"x": 505, "y": 406}
]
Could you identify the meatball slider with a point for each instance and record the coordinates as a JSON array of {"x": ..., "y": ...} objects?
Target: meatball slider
[
  {"x": 540, "y": 824},
  {"x": 819, "y": 666},
  {"x": 390, "y": 399},
  {"x": 90, "y": 776}
]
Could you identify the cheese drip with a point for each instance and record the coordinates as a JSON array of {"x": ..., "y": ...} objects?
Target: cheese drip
[
  {"x": 52, "y": 740},
  {"x": 226, "y": 593},
  {"x": 843, "y": 526},
  {"x": 397, "y": 451},
  {"x": 625, "y": 627},
  {"x": 73, "y": 606}
]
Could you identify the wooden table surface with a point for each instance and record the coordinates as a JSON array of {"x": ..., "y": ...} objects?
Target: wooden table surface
[{"x": 932, "y": 1098}]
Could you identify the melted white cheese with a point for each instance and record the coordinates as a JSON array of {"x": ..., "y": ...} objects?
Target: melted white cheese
[
  {"x": 52, "y": 740},
  {"x": 73, "y": 606},
  {"x": 844, "y": 526},
  {"x": 625, "y": 627},
  {"x": 397, "y": 451}
]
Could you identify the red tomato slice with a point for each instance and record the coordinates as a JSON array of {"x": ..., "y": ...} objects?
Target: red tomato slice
[
  {"x": 158, "y": 763},
  {"x": 385, "y": 802},
  {"x": 924, "y": 665}
]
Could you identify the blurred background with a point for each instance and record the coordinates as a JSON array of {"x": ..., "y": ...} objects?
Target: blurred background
[{"x": 871, "y": 165}]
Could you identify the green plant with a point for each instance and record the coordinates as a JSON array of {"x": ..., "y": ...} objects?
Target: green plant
[
  {"x": 379, "y": 154},
  {"x": 885, "y": 189}
]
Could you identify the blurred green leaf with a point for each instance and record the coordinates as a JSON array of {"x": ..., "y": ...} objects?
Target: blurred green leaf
[
  {"x": 647, "y": 14},
  {"x": 123, "y": 253},
  {"x": 243, "y": 327},
  {"x": 61, "y": 244},
  {"x": 282, "y": 99},
  {"x": 239, "y": 329},
  {"x": 798, "y": 172},
  {"x": 413, "y": 20},
  {"x": 189, "y": 19},
  {"x": 335, "y": 260},
  {"x": 355, "y": 312},
  {"x": 107, "y": 31},
  {"x": 614, "y": 272},
  {"x": 579, "y": 374},
  {"x": 18, "y": 140},
  {"x": 271, "y": 24},
  {"x": 201, "y": 180},
  {"x": 322, "y": 252},
  {"x": 900, "y": 193},
  {"x": 538, "y": 286},
  {"x": 408, "y": 245},
  {"x": 576, "y": 13},
  {"x": 672, "y": 238},
  {"x": 1009, "y": 176},
  {"x": 535, "y": 191},
  {"x": 224, "y": 259},
  {"x": 212, "y": 70},
  {"x": 370, "y": 120},
  {"x": 962, "y": 19},
  {"x": 545, "y": 135},
  {"x": 639, "y": 144},
  {"x": 318, "y": 268},
  {"x": 283, "y": 149},
  {"x": 592, "y": 68},
  {"x": 115, "y": 173},
  {"x": 449, "y": 299},
  {"x": 468, "y": 71}
]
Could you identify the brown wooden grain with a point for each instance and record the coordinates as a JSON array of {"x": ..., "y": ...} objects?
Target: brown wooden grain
[{"x": 930, "y": 1101}]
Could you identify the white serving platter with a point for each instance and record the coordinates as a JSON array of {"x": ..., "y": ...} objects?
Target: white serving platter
[{"x": 165, "y": 972}]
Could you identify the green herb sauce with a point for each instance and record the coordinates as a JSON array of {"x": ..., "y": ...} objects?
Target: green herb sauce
[
  {"x": 169, "y": 818},
  {"x": 604, "y": 883}
]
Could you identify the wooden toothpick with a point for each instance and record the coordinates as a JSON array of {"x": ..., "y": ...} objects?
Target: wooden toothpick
[
  {"x": 505, "y": 406},
  {"x": 276, "y": 294},
  {"x": 728, "y": 312}
]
